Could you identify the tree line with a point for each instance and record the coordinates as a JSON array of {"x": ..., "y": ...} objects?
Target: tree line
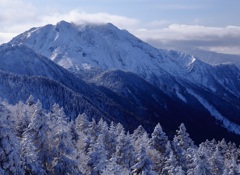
[{"x": 34, "y": 141}]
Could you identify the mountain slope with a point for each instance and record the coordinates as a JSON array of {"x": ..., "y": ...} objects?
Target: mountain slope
[
  {"x": 106, "y": 47},
  {"x": 212, "y": 58},
  {"x": 16, "y": 88},
  {"x": 27, "y": 67},
  {"x": 90, "y": 49},
  {"x": 152, "y": 105}
]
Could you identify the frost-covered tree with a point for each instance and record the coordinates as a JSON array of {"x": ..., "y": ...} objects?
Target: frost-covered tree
[
  {"x": 223, "y": 147},
  {"x": 181, "y": 144},
  {"x": 114, "y": 168},
  {"x": 81, "y": 123},
  {"x": 182, "y": 138},
  {"x": 170, "y": 165},
  {"x": 39, "y": 133},
  {"x": 108, "y": 140},
  {"x": 10, "y": 161},
  {"x": 125, "y": 154},
  {"x": 20, "y": 115},
  {"x": 233, "y": 168},
  {"x": 32, "y": 164},
  {"x": 119, "y": 128},
  {"x": 112, "y": 139},
  {"x": 51, "y": 144},
  {"x": 63, "y": 150},
  {"x": 216, "y": 162},
  {"x": 140, "y": 137},
  {"x": 209, "y": 147},
  {"x": 97, "y": 156},
  {"x": 200, "y": 164},
  {"x": 92, "y": 130},
  {"x": 158, "y": 139},
  {"x": 83, "y": 147},
  {"x": 143, "y": 163}
]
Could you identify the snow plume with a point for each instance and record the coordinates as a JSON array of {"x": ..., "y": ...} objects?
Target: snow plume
[
  {"x": 81, "y": 17},
  {"x": 230, "y": 126}
]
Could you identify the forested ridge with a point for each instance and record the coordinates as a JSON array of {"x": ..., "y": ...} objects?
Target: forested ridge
[{"x": 34, "y": 141}]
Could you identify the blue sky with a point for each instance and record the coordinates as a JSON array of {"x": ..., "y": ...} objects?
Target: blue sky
[{"x": 208, "y": 24}]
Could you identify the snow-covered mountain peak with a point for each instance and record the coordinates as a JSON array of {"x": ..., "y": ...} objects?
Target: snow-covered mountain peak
[
  {"x": 107, "y": 47},
  {"x": 92, "y": 49},
  {"x": 63, "y": 24},
  {"x": 77, "y": 47}
]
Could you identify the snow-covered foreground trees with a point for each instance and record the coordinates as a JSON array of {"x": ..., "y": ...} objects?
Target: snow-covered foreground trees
[{"x": 34, "y": 141}]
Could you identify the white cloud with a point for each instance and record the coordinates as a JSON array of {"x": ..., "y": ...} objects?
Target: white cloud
[
  {"x": 189, "y": 32},
  {"x": 221, "y": 49},
  {"x": 221, "y": 39},
  {"x": 159, "y": 23},
  {"x": 96, "y": 18},
  {"x": 175, "y": 6},
  {"x": 17, "y": 16},
  {"x": 5, "y": 37},
  {"x": 16, "y": 11}
]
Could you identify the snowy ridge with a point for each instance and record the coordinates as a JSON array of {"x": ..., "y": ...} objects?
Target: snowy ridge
[
  {"x": 230, "y": 126},
  {"x": 212, "y": 58},
  {"x": 106, "y": 47},
  {"x": 87, "y": 51}
]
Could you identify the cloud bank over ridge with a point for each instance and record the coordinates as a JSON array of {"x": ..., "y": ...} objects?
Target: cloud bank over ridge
[{"x": 161, "y": 33}]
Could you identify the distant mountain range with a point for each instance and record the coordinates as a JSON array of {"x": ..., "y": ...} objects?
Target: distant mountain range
[
  {"x": 211, "y": 57},
  {"x": 109, "y": 73}
]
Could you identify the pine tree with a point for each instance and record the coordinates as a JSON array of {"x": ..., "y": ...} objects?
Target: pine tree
[
  {"x": 108, "y": 140},
  {"x": 140, "y": 137},
  {"x": 114, "y": 168},
  {"x": 124, "y": 151},
  {"x": 158, "y": 139},
  {"x": 170, "y": 165},
  {"x": 81, "y": 123},
  {"x": 182, "y": 138},
  {"x": 112, "y": 139},
  {"x": 63, "y": 150},
  {"x": 39, "y": 133},
  {"x": 10, "y": 161},
  {"x": 233, "y": 168},
  {"x": 32, "y": 164},
  {"x": 144, "y": 164},
  {"x": 181, "y": 144},
  {"x": 97, "y": 156},
  {"x": 92, "y": 131},
  {"x": 83, "y": 148},
  {"x": 200, "y": 165},
  {"x": 216, "y": 162},
  {"x": 21, "y": 117}
]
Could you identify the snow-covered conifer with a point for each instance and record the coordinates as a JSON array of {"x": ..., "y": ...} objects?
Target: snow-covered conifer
[
  {"x": 158, "y": 139},
  {"x": 64, "y": 161},
  {"x": 39, "y": 133},
  {"x": 143, "y": 163},
  {"x": 10, "y": 161},
  {"x": 200, "y": 164},
  {"x": 97, "y": 156},
  {"x": 170, "y": 165},
  {"x": 125, "y": 154}
]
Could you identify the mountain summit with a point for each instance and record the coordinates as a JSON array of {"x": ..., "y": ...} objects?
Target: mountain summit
[
  {"x": 106, "y": 47},
  {"x": 108, "y": 58}
]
